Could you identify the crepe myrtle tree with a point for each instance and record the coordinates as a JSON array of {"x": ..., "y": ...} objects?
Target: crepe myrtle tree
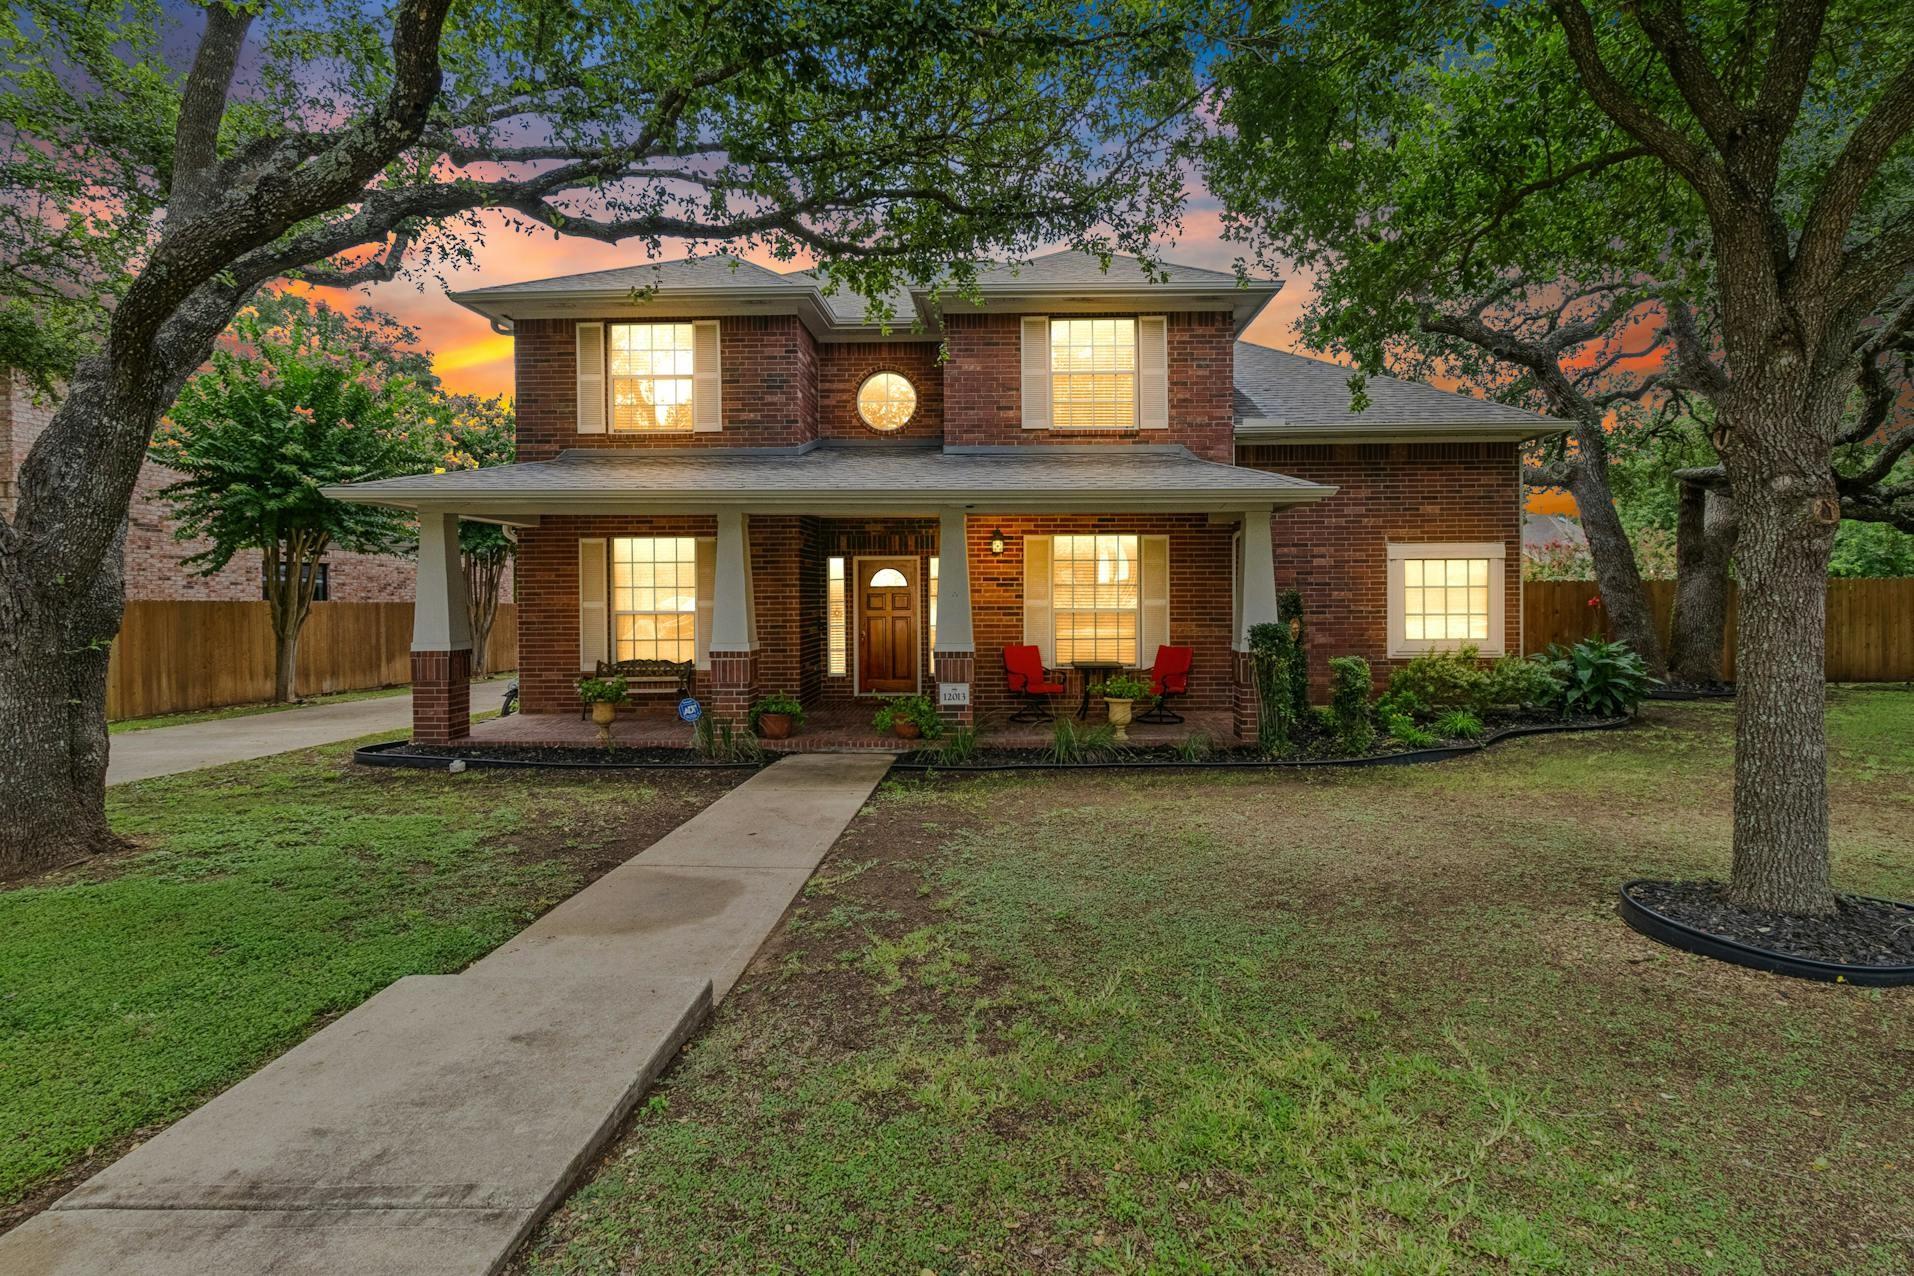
[
  {"x": 1504, "y": 184},
  {"x": 892, "y": 140},
  {"x": 297, "y": 405},
  {"x": 481, "y": 432}
]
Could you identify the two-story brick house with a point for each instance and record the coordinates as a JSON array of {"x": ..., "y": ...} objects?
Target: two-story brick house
[{"x": 719, "y": 463}]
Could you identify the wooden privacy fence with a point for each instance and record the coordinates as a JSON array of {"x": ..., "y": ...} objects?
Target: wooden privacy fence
[
  {"x": 175, "y": 657},
  {"x": 1870, "y": 623}
]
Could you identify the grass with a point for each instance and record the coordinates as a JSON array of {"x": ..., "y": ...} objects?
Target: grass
[
  {"x": 1370, "y": 1022},
  {"x": 260, "y": 900},
  {"x": 248, "y": 710}
]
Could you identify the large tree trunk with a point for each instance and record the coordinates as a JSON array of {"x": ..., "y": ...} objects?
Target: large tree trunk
[
  {"x": 1616, "y": 574},
  {"x": 53, "y": 741},
  {"x": 484, "y": 574},
  {"x": 1788, "y": 512},
  {"x": 1704, "y": 548}
]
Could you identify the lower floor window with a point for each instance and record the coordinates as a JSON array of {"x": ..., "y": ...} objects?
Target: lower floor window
[
  {"x": 320, "y": 574},
  {"x": 654, "y": 597},
  {"x": 1445, "y": 596},
  {"x": 1097, "y": 597}
]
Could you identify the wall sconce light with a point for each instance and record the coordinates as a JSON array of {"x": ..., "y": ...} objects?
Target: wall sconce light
[{"x": 997, "y": 541}]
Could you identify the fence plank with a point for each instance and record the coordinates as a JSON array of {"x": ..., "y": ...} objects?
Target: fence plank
[
  {"x": 1870, "y": 624},
  {"x": 176, "y": 657}
]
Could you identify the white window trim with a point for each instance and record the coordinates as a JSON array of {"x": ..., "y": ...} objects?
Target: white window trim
[
  {"x": 706, "y": 382},
  {"x": 1142, "y": 661},
  {"x": 1136, "y": 376},
  {"x": 1496, "y": 552},
  {"x": 613, "y": 612}
]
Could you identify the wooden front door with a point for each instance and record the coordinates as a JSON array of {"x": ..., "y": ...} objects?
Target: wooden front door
[{"x": 887, "y": 625}]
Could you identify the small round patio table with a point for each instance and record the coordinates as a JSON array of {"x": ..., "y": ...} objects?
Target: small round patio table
[{"x": 1104, "y": 668}]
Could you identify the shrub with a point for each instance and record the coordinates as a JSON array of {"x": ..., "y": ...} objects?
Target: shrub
[
  {"x": 1528, "y": 683},
  {"x": 1458, "y": 724},
  {"x": 778, "y": 702},
  {"x": 1605, "y": 679},
  {"x": 1440, "y": 680},
  {"x": 1349, "y": 683},
  {"x": 1402, "y": 728},
  {"x": 1289, "y": 611},
  {"x": 1070, "y": 742},
  {"x": 916, "y": 709},
  {"x": 1275, "y": 656},
  {"x": 601, "y": 690}
]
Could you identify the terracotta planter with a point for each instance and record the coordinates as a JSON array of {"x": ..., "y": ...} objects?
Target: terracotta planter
[
  {"x": 604, "y": 713},
  {"x": 1120, "y": 718},
  {"x": 774, "y": 726},
  {"x": 906, "y": 730}
]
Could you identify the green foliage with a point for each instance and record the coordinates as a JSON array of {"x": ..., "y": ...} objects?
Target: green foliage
[
  {"x": 1600, "y": 678},
  {"x": 916, "y": 709},
  {"x": 1276, "y": 658},
  {"x": 601, "y": 690},
  {"x": 1458, "y": 724},
  {"x": 957, "y": 748},
  {"x": 1289, "y": 611},
  {"x": 1402, "y": 728},
  {"x": 307, "y": 399},
  {"x": 1197, "y": 746},
  {"x": 1528, "y": 683},
  {"x": 1439, "y": 680},
  {"x": 1071, "y": 741},
  {"x": 723, "y": 742},
  {"x": 1871, "y": 550},
  {"x": 480, "y": 433},
  {"x": 778, "y": 702},
  {"x": 1125, "y": 686},
  {"x": 1349, "y": 687}
]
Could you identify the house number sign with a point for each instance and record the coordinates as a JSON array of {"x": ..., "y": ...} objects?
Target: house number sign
[{"x": 953, "y": 694}]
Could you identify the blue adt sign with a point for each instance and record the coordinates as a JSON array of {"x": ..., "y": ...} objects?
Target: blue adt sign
[{"x": 690, "y": 710}]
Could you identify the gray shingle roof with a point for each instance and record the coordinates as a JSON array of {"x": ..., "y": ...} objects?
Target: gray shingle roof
[
  {"x": 694, "y": 273},
  {"x": 1159, "y": 475},
  {"x": 1071, "y": 267},
  {"x": 1297, "y": 393}
]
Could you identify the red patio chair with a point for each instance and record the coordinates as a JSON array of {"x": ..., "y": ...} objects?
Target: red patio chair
[
  {"x": 1023, "y": 667},
  {"x": 1169, "y": 676}
]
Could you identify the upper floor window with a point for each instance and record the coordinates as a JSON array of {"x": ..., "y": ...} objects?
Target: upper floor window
[
  {"x": 886, "y": 401},
  {"x": 1092, "y": 374},
  {"x": 651, "y": 367}
]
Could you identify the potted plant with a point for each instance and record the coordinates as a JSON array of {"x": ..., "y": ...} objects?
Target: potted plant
[
  {"x": 909, "y": 717},
  {"x": 775, "y": 716},
  {"x": 603, "y": 695},
  {"x": 1121, "y": 693}
]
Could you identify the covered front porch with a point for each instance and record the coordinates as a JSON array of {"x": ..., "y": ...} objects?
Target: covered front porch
[{"x": 845, "y": 579}]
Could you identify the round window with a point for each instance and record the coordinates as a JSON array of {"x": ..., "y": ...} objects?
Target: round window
[{"x": 886, "y": 401}]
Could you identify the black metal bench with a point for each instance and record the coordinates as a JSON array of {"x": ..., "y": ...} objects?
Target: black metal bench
[{"x": 648, "y": 677}]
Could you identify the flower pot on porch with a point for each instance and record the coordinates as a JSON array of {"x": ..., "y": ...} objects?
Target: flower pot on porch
[
  {"x": 604, "y": 713},
  {"x": 1120, "y": 718},
  {"x": 774, "y": 726},
  {"x": 906, "y": 730}
]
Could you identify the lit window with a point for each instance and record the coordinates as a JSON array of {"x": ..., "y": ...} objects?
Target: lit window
[
  {"x": 651, "y": 366},
  {"x": 1092, "y": 374},
  {"x": 1442, "y": 597},
  {"x": 888, "y": 578},
  {"x": 654, "y": 598},
  {"x": 1096, "y": 595},
  {"x": 837, "y": 661},
  {"x": 886, "y": 401}
]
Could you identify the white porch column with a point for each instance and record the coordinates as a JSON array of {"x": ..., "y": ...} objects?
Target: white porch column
[
  {"x": 440, "y": 619},
  {"x": 954, "y": 662},
  {"x": 1259, "y": 608},
  {"x": 734, "y": 622},
  {"x": 441, "y": 636},
  {"x": 1259, "y": 575}
]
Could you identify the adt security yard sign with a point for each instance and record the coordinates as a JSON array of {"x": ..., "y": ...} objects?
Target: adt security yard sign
[{"x": 690, "y": 710}]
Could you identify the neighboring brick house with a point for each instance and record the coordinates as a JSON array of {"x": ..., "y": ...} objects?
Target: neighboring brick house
[
  {"x": 720, "y": 464},
  {"x": 153, "y": 556}
]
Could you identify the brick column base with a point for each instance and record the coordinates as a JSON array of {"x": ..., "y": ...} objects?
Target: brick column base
[
  {"x": 1245, "y": 708},
  {"x": 732, "y": 686},
  {"x": 957, "y": 666},
  {"x": 441, "y": 696}
]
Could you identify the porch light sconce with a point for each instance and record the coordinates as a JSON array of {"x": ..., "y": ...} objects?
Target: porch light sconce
[{"x": 997, "y": 540}]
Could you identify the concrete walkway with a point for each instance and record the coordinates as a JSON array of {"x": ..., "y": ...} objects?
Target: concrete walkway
[
  {"x": 141, "y": 755},
  {"x": 427, "y": 1132}
]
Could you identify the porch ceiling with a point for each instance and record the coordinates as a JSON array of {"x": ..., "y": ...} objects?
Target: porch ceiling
[{"x": 861, "y": 480}]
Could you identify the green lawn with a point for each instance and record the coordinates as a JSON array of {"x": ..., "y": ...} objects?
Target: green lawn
[
  {"x": 1377, "y": 1021},
  {"x": 259, "y": 900}
]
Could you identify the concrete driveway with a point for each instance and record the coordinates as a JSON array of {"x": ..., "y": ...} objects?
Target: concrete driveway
[{"x": 141, "y": 755}]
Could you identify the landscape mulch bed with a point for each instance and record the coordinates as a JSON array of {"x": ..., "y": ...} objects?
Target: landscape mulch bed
[
  {"x": 535, "y": 755},
  {"x": 1861, "y": 932}
]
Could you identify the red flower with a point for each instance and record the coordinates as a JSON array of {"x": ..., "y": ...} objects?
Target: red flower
[{"x": 1595, "y": 602}]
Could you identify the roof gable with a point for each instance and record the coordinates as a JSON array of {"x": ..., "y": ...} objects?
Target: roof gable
[{"x": 1282, "y": 395}]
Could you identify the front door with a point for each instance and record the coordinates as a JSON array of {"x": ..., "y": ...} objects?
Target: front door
[{"x": 887, "y": 625}]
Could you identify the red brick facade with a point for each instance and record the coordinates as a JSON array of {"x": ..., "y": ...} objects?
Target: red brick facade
[
  {"x": 1336, "y": 551},
  {"x": 844, "y": 366},
  {"x": 441, "y": 696}
]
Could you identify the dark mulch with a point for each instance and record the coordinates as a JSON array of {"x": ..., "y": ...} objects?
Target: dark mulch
[
  {"x": 618, "y": 755},
  {"x": 1862, "y": 932}
]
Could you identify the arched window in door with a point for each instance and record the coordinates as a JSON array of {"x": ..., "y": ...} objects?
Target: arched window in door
[{"x": 888, "y": 578}]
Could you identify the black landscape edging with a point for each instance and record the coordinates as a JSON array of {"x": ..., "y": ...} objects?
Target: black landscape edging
[
  {"x": 1690, "y": 939},
  {"x": 1720, "y": 691},
  {"x": 1409, "y": 757},
  {"x": 382, "y": 755}
]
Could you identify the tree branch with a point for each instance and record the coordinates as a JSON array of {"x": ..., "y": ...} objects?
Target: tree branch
[{"x": 202, "y": 107}]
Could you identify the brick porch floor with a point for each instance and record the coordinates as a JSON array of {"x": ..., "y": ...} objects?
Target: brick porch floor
[{"x": 830, "y": 728}]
